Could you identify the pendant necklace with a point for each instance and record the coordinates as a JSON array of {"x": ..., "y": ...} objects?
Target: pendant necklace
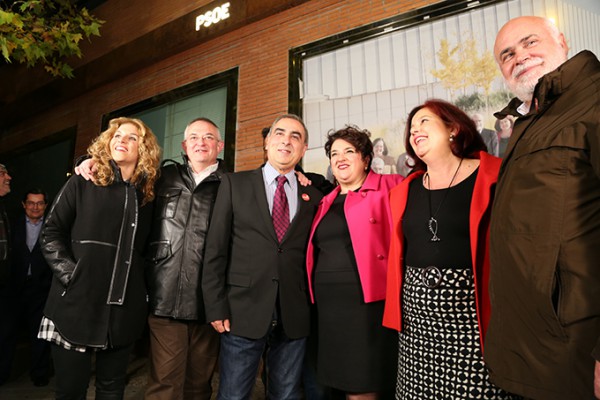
[{"x": 433, "y": 223}]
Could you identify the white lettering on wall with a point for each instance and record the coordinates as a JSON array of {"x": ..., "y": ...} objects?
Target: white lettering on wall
[{"x": 212, "y": 17}]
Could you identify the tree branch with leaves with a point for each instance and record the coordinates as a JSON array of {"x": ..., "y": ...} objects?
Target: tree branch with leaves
[
  {"x": 463, "y": 66},
  {"x": 45, "y": 32}
]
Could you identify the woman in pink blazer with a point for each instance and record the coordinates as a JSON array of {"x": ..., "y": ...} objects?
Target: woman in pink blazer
[{"x": 346, "y": 266}]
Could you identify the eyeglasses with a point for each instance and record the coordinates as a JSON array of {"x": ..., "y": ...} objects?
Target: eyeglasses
[
  {"x": 207, "y": 137},
  {"x": 35, "y": 203}
]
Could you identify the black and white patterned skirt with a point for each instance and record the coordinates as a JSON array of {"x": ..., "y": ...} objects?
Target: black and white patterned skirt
[{"x": 439, "y": 352}]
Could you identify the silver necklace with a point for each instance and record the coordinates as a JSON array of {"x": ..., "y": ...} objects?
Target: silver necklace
[{"x": 432, "y": 224}]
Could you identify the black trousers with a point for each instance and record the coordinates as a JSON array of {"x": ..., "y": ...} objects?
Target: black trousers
[{"x": 73, "y": 371}]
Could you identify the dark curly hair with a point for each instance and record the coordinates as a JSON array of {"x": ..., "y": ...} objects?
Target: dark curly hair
[{"x": 359, "y": 138}]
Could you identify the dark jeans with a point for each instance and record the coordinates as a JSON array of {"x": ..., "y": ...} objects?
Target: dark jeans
[
  {"x": 240, "y": 357},
  {"x": 73, "y": 370}
]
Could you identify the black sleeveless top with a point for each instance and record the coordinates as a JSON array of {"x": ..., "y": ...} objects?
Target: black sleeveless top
[{"x": 451, "y": 208}]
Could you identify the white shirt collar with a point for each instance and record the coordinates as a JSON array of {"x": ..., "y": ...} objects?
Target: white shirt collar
[
  {"x": 200, "y": 176},
  {"x": 523, "y": 109}
]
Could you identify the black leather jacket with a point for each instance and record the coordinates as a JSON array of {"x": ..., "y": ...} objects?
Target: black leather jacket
[{"x": 176, "y": 246}]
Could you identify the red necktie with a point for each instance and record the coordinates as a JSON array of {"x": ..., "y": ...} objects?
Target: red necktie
[{"x": 281, "y": 211}]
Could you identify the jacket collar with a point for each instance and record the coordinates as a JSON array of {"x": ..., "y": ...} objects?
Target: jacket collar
[
  {"x": 484, "y": 157},
  {"x": 214, "y": 176},
  {"x": 372, "y": 182},
  {"x": 116, "y": 170}
]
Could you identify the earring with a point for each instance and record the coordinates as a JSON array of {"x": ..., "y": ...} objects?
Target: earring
[{"x": 452, "y": 138}]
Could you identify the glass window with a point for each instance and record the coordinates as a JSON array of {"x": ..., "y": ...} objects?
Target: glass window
[
  {"x": 373, "y": 76},
  {"x": 168, "y": 114},
  {"x": 168, "y": 122}
]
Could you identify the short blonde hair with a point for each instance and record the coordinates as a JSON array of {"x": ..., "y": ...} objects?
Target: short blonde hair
[{"x": 147, "y": 168}]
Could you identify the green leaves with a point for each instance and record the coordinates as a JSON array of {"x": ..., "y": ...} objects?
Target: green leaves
[
  {"x": 463, "y": 66},
  {"x": 45, "y": 32}
]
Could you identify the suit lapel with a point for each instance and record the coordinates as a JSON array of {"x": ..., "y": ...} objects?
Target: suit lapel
[
  {"x": 21, "y": 235},
  {"x": 260, "y": 197},
  {"x": 304, "y": 207}
]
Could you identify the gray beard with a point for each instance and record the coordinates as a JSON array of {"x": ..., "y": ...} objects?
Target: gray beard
[{"x": 524, "y": 91}]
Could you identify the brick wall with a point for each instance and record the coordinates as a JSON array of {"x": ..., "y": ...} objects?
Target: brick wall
[{"x": 260, "y": 50}]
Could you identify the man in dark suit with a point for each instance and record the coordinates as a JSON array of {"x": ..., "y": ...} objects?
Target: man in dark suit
[
  {"x": 23, "y": 298},
  {"x": 254, "y": 281},
  {"x": 490, "y": 137}
]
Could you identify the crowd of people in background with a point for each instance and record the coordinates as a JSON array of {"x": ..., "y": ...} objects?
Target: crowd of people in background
[
  {"x": 466, "y": 268},
  {"x": 27, "y": 287},
  {"x": 495, "y": 141}
]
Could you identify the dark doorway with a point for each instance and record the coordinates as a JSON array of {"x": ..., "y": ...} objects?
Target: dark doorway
[{"x": 44, "y": 164}]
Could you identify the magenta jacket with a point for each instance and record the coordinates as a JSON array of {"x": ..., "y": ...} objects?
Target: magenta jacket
[{"x": 369, "y": 222}]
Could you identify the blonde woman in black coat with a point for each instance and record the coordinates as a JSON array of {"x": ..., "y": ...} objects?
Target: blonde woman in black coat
[{"x": 93, "y": 240}]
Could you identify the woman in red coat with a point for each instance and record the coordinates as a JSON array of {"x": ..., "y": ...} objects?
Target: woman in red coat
[{"x": 438, "y": 268}]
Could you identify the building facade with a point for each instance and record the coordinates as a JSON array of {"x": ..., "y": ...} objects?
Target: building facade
[{"x": 239, "y": 62}]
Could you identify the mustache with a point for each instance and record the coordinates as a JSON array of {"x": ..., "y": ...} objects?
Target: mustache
[{"x": 532, "y": 62}]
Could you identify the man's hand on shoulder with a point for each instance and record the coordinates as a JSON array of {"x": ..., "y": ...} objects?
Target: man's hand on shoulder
[
  {"x": 87, "y": 169},
  {"x": 302, "y": 179}
]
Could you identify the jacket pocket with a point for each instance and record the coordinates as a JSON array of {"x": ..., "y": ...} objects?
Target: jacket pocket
[
  {"x": 572, "y": 137},
  {"x": 239, "y": 280},
  {"x": 555, "y": 300},
  {"x": 556, "y": 293},
  {"x": 167, "y": 202},
  {"x": 159, "y": 250},
  {"x": 69, "y": 279}
]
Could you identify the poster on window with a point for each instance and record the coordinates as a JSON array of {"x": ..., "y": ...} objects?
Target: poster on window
[{"x": 375, "y": 82}]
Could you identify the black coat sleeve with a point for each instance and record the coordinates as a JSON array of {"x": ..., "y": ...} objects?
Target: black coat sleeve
[{"x": 55, "y": 237}]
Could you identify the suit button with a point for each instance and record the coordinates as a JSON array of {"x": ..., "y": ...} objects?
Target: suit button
[
  {"x": 280, "y": 250},
  {"x": 363, "y": 194},
  {"x": 380, "y": 257},
  {"x": 372, "y": 220}
]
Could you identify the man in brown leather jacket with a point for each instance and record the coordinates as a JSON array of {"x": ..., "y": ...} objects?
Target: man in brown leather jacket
[{"x": 543, "y": 337}]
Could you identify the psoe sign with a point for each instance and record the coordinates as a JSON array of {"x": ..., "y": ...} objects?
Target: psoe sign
[{"x": 213, "y": 16}]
